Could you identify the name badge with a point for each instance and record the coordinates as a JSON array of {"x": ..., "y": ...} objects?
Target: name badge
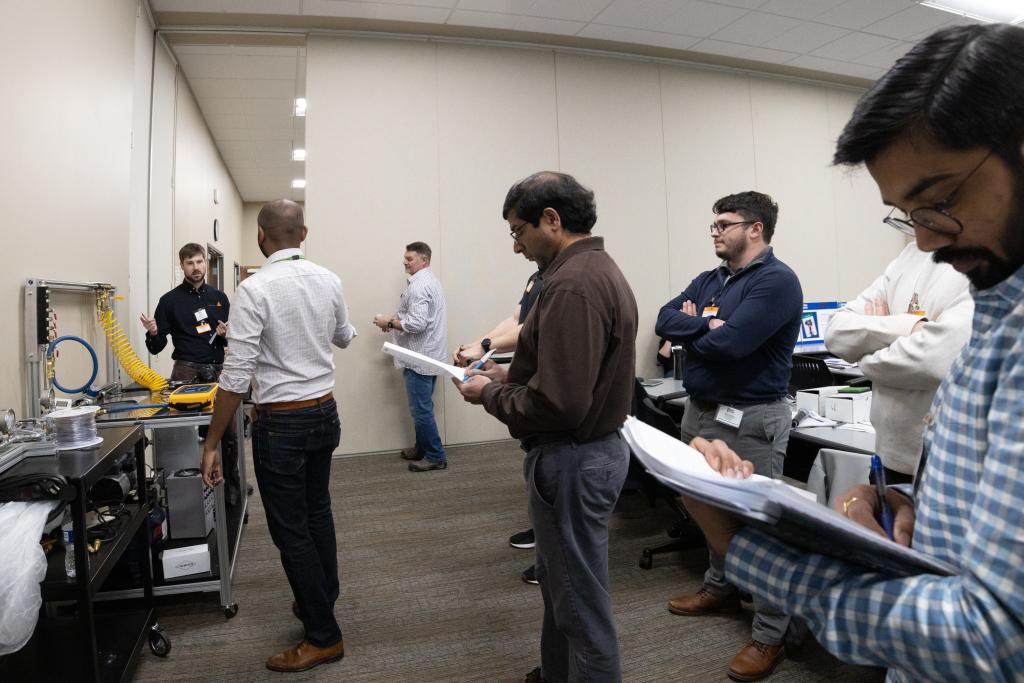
[
  {"x": 709, "y": 312},
  {"x": 203, "y": 327},
  {"x": 729, "y": 416},
  {"x": 919, "y": 313},
  {"x": 201, "y": 314}
]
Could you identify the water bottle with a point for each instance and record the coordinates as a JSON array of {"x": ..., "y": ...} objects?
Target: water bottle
[
  {"x": 678, "y": 361},
  {"x": 68, "y": 534}
]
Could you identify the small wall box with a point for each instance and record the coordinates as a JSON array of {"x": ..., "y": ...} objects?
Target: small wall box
[{"x": 193, "y": 396}]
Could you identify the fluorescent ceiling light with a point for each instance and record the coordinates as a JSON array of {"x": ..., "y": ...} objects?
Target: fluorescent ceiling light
[
  {"x": 991, "y": 11},
  {"x": 299, "y": 183},
  {"x": 300, "y": 106},
  {"x": 298, "y": 155}
]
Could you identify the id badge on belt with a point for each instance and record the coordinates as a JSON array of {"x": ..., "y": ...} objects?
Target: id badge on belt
[{"x": 729, "y": 416}]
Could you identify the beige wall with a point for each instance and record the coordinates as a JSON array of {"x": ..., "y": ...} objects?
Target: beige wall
[
  {"x": 66, "y": 128},
  {"x": 417, "y": 140}
]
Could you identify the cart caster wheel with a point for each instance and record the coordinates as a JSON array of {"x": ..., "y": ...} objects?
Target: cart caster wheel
[
  {"x": 646, "y": 560},
  {"x": 231, "y": 610},
  {"x": 245, "y": 519},
  {"x": 159, "y": 643},
  {"x": 248, "y": 490}
]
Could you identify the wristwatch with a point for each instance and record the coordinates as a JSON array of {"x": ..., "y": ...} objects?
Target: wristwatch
[
  {"x": 485, "y": 344},
  {"x": 391, "y": 324}
]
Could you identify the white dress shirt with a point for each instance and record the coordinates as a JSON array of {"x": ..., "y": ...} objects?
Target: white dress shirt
[
  {"x": 283, "y": 321},
  {"x": 424, "y": 316}
]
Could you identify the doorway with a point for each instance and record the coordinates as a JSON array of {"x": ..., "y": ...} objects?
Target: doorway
[{"x": 215, "y": 273}]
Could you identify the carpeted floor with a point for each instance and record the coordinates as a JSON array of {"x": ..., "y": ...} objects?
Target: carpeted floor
[{"x": 431, "y": 589}]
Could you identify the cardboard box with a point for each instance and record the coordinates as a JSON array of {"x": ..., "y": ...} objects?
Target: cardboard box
[
  {"x": 814, "y": 399},
  {"x": 848, "y": 407},
  {"x": 192, "y": 559}
]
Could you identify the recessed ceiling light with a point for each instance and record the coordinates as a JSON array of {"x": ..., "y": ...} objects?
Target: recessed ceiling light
[
  {"x": 299, "y": 183},
  {"x": 991, "y": 11},
  {"x": 298, "y": 155},
  {"x": 300, "y": 106}
]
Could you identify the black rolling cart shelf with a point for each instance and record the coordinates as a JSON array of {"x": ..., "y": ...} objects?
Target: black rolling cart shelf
[{"x": 77, "y": 637}]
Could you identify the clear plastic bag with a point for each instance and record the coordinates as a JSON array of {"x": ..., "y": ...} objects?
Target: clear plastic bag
[{"x": 22, "y": 568}]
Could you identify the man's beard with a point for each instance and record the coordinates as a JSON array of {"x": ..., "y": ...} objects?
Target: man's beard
[{"x": 993, "y": 269}]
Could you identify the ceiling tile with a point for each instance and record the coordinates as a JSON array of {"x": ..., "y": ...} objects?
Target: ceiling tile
[
  {"x": 265, "y": 87},
  {"x": 261, "y": 6},
  {"x": 447, "y": 4},
  {"x": 514, "y": 22},
  {"x": 257, "y": 119},
  {"x": 223, "y": 120},
  {"x": 853, "y": 45},
  {"x": 701, "y": 19},
  {"x": 745, "y": 4},
  {"x": 222, "y": 105},
  {"x": 283, "y": 106},
  {"x": 646, "y": 14},
  {"x": 238, "y": 66},
  {"x": 215, "y": 87},
  {"x": 638, "y": 36},
  {"x": 911, "y": 22},
  {"x": 756, "y": 28},
  {"x": 806, "y": 37},
  {"x": 497, "y": 6},
  {"x": 261, "y": 134},
  {"x": 856, "y": 14},
  {"x": 800, "y": 9},
  {"x": 185, "y": 6},
  {"x": 570, "y": 10},
  {"x": 753, "y": 52},
  {"x": 886, "y": 57},
  {"x": 231, "y": 134},
  {"x": 410, "y": 11},
  {"x": 833, "y": 66}
]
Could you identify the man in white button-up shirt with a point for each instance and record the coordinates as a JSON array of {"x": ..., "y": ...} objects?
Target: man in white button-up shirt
[
  {"x": 420, "y": 324},
  {"x": 283, "y": 323}
]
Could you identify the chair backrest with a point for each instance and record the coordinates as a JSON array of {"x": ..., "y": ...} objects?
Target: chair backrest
[
  {"x": 648, "y": 413},
  {"x": 833, "y": 472},
  {"x": 808, "y": 372}
]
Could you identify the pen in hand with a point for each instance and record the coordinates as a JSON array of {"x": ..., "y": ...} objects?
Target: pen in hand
[
  {"x": 480, "y": 363},
  {"x": 884, "y": 514}
]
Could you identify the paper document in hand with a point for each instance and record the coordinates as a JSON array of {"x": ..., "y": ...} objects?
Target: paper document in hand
[
  {"x": 400, "y": 351},
  {"x": 773, "y": 506}
]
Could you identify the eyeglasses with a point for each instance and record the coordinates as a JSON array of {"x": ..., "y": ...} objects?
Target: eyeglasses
[
  {"x": 516, "y": 231},
  {"x": 935, "y": 218},
  {"x": 719, "y": 228}
]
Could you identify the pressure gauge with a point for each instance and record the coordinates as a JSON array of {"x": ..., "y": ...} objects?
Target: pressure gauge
[{"x": 7, "y": 420}]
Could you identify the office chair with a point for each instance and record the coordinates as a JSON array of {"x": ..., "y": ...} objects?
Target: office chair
[
  {"x": 684, "y": 533},
  {"x": 808, "y": 372}
]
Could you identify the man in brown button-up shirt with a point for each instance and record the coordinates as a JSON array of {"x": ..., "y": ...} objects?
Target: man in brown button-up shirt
[{"x": 565, "y": 396}]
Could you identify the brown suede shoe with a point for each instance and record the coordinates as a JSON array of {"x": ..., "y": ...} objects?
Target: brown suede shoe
[
  {"x": 756, "y": 661},
  {"x": 304, "y": 656},
  {"x": 702, "y": 603},
  {"x": 410, "y": 454},
  {"x": 427, "y": 466}
]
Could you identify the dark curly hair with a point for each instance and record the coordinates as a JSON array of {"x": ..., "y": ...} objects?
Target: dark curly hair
[
  {"x": 559, "y": 191},
  {"x": 963, "y": 87},
  {"x": 754, "y": 207}
]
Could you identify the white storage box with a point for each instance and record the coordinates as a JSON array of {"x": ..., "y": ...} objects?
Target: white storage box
[
  {"x": 814, "y": 399},
  {"x": 192, "y": 559},
  {"x": 848, "y": 407}
]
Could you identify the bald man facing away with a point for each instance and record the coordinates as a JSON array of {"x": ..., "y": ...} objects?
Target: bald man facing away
[{"x": 285, "y": 318}]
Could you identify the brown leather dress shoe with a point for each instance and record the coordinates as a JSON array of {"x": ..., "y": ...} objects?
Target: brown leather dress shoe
[
  {"x": 756, "y": 661},
  {"x": 702, "y": 603},
  {"x": 304, "y": 656}
]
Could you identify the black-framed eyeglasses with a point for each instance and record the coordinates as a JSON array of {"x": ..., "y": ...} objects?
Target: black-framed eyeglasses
[
  {"x": 516, "y": 231},
  {"x": 936, "y": 217},
  {"x": 719, "y": 228}
]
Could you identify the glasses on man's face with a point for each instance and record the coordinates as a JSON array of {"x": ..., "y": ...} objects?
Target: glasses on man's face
[
  {"x": 517, "y": 230},
  {"x": 935, "y": 218},
  {"x": 719, "y": 228}
]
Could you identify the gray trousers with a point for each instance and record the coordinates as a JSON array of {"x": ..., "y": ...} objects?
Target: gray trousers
[
  {"x": 572, "y": 492},
  {"x": 761, "y": 438}
]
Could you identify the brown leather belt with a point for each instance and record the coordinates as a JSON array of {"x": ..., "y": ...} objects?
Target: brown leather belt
[{"x": 295, "y": 405}]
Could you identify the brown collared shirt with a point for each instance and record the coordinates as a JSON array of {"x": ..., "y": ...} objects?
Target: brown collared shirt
[{"x": 573, "y": 371}]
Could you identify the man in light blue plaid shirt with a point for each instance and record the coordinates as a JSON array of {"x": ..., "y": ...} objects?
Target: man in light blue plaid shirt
[{"x": 942, "y": 134}]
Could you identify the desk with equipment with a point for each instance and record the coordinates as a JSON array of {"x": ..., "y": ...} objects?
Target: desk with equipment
[{"x": 197, "y": 517}]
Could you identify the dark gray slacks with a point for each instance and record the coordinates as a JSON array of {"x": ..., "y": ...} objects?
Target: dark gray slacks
[
  {"x": 761, "y": 438},
  {"x": 573, "y": 489}
]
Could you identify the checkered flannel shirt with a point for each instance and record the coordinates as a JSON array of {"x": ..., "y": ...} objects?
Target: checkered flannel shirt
[{"x": 970, "y": 512}]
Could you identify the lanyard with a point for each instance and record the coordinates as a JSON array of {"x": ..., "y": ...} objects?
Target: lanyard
[{"x": 293, "y": 257}]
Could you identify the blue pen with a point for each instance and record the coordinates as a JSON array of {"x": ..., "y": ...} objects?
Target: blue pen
[
  {"x": 479, "y": 364},
  {"x": 878, "y": 472}
]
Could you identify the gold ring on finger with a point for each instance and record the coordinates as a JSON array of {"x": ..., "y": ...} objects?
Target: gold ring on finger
[{"x": 848, "y": 503}]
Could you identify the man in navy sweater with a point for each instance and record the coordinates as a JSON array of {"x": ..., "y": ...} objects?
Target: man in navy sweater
[{"x": 739, "y": 323}]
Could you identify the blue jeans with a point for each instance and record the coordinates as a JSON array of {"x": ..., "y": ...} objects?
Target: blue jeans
[
  {"x": 572, "y": 493},
  {"x": 292, "y": 452},
  {"x": 420, "y": 390}
]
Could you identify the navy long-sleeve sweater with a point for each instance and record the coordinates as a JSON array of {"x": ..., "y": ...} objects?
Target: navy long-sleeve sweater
[{"x": 747, "y": 360}]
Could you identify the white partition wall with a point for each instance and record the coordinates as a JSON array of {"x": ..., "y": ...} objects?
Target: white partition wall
[{"x": 418, "y": 140}]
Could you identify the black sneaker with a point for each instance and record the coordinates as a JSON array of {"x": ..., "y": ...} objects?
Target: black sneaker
[
  {"x": 524, "y": 540},
  {"x": 410, "y": 454},
  {"x": 530, "y": 575}
]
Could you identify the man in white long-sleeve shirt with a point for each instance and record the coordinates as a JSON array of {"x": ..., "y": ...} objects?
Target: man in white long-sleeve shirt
[
  {"x": 283, "y": 323},
  {"x": 904, "y": 331}
]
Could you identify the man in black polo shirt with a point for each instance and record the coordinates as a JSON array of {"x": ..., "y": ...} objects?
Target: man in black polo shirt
[{"x": 194, "y": 314}]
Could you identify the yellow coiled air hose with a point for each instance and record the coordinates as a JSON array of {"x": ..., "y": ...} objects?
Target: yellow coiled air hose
[{"x": 132, "y": 364}]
